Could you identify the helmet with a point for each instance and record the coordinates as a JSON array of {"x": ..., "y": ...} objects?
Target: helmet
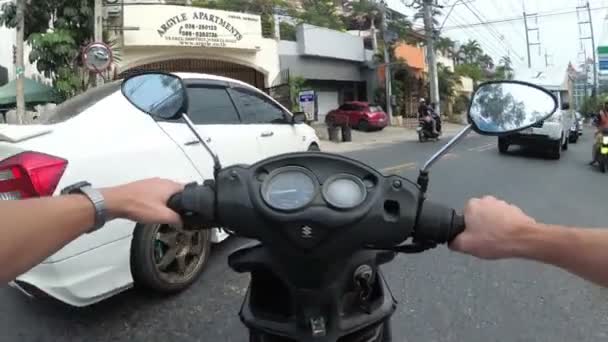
[{"x": 422, "y": 100}]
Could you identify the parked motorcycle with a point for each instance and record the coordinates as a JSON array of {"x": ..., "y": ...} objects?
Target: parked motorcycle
[
  {"x": 325, "y": 222},
  {"x": 425, "y": 127}
]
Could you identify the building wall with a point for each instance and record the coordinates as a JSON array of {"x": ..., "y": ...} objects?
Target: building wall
[
  {"x": 322, "y": 42},
  {"x": 7, "y": 39},
  {"x": 152, "y": 43}
]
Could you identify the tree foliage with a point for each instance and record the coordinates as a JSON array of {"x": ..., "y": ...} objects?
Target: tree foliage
[
  {"x": 56, "y": 30},
  {"x": 323, "y": 13},
  {"x": 448, "y": 82}
]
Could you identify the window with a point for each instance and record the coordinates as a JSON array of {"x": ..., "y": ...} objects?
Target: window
[
  {"x": 80, "y": 103},
  {"x": 254, "y": 108},
  {"x": 211, "y": 106},
  {"x": 375, "y": 108}
]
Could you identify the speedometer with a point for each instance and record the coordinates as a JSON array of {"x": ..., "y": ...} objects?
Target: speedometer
[
  {"x": 289, "y": 188},
  {"x": 344, "y": 191}
]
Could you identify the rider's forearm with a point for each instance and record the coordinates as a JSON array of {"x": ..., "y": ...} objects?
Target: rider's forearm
[
  {"x": 583, "y": 252},
  {"x": 29, "y": 237}
]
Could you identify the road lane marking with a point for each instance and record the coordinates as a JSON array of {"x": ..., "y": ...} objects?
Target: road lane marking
[
  {"x": 406, "y": 166},
  {"x": 482, "y": 148}
]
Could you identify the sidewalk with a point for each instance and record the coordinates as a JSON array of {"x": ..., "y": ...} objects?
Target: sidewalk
[{"x": 389, "y": 135}]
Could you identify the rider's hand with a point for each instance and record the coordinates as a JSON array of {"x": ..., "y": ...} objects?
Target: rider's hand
[
  {"x": 143, "y": 201},
  {"x": 492, "y": 229}
]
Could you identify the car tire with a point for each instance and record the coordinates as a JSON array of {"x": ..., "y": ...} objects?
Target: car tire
[
  {"x": 363, "y": 126},
  {"x": 556, "y": 150},
  {"x": 314, "y": 148},
  {"x": 147, "y": 246},
  {"x": 602, "y": 166},
  {"x": 565, "y": 145},
  {"x": 503, "y": 145}
]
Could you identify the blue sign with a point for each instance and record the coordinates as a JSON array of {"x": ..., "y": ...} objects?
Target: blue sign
[
  {"x": 307, "y": 97},
  {"x": 603, "y": 65}
]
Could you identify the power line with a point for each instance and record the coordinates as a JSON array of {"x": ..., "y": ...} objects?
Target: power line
[
  {"x": 492, "y": 30},
  {"x": 519, "y": 18}
]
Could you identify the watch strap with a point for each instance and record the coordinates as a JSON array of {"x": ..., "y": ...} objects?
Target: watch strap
[{"x": 96, "y": 199}]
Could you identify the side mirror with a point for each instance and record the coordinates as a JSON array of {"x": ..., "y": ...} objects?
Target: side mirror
[
  {"x": 160, "y": 95},
  {"x": 499, "y": 107},
  {"x": 298, "y": 117},
  {"x": 565, "y": 106}
]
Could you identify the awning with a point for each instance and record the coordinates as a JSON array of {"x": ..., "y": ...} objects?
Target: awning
[{"x": 35, "y": 93}]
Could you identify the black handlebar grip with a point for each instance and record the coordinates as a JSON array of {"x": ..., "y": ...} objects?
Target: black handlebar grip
[
  {"x": 438, "y": 223},
  {"x": 175, "y": 202},
  {"x": 195, "y": 204}
]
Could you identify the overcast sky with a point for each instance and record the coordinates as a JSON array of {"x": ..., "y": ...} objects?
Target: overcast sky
[{"x": 559, "y": 33}]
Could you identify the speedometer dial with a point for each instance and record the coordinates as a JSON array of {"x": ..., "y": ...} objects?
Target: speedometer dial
[
  {"x": 344, "y": 191},
  {"x": 289, "y": 189}
]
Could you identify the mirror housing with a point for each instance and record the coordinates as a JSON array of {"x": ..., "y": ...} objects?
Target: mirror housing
[
  {"x": 161, "y": 95},
  {"x": 503, "y": 107},
  {"x": 565, "y": 106},
  {"x": 298, "y": 117}
]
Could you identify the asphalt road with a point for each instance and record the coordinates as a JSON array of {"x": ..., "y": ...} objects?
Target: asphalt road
[{"x": 443, "y": 296}]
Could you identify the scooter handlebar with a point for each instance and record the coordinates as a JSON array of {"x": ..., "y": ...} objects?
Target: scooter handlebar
[
  {"x": 438, "y": 223},
  {"x": 195, "y": 204}
]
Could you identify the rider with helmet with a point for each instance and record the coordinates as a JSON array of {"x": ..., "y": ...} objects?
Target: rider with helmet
[{"x": 601, "y": 122}]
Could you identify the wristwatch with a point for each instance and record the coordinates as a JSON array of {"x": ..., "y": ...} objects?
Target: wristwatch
[{"x": 85, "y": 188}]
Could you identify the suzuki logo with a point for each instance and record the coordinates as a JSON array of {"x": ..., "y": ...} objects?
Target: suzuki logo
[{"x": 306, "y": 232}]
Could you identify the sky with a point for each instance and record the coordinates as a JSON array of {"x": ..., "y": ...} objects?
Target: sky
[{"x": 558, "y": 31}]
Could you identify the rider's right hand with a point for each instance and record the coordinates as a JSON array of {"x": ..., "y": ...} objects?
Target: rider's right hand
[{"x": 492, "y": 229}]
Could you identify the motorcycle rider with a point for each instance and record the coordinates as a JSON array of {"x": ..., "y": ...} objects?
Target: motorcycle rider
[
  {"x": 494, "y": 229},
  {"x": 424, "y": 114},
  {"x": 602, "y": 124}
]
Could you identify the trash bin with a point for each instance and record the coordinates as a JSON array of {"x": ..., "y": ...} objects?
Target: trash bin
[
  {"x": 347, "y": 133},
  {"x": 333, "y": 132}
]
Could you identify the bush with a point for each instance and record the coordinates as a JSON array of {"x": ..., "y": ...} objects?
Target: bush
[{"x": 461, "y": 104}]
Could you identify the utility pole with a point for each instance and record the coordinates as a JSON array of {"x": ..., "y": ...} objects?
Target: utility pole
[
  {"x": 427, "y": 7},
  {"x": 98, "y": 32},
  {"x": 585, "y": 31},
  {"x": 19, "y": 67},
  {"x": 547, "y": 55},
  {"x": 387, "y": 65},
  {"x": 528, "y": 30}
]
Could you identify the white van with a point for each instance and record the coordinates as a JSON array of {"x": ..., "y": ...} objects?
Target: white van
[{"x": 552, "y": 134}]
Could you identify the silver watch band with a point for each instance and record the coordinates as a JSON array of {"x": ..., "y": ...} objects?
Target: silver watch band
[{"x": 100, "y": 206}]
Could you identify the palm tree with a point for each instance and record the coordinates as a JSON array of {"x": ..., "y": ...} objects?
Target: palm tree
[
  {"x": 507, "y": 65},
  {"x": 486, "y": 61},
  {"x": 361, "y": 14},
  {"x": 446, "y": 46},
  {"x": 471, "y": 51}
]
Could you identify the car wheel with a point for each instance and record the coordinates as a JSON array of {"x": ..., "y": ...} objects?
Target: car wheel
[
  {"x": 314, "y": 148},
  {"x": 168, "y": 259},
  {"x": 503, "y": 145},
  {"x": 556, "y": 150},
  {"x": 363, "y": 126}
]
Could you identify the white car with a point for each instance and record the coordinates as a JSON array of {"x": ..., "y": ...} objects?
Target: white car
[
  {"x": 102, "y": 138},
  {"x": 551, "y": 134}
]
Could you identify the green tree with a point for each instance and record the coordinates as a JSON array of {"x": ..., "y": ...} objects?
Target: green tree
[
  {"x": 56, "y": 30},
  {"x": 287, "y": 31},
  {"x": 360, "y": 14},
  {"x": 472, "y": 71},
  {"x": 323, "y": 13},
  {"x": 471, "y": 51},
  {"x": 264, "y": 8},
  {"x": 446, "y": 46},
  {"x": 448, "y": 81}
]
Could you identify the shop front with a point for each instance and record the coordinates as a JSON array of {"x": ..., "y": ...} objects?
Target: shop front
[{"x": 190, "y": 39}]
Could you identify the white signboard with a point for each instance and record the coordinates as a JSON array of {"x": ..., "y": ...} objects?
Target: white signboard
[
  {"x": 306, "y": 100},
  {"x": 166, "y": 25}
]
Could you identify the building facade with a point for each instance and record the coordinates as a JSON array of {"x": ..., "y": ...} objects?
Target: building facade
[
  {"x": 334, "y": 64},
  {"x": 191, "y": 39}
]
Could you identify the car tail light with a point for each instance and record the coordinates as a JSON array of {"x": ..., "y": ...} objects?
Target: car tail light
[{"x": 30, "y": 174}]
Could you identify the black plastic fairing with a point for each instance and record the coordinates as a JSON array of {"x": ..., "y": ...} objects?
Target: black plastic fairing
[
  {"x": 318, "y": 231},
  {"x": 277, "y": 306}
]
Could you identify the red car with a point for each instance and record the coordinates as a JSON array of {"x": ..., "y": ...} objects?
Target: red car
[{"x": 361, "y": 115}]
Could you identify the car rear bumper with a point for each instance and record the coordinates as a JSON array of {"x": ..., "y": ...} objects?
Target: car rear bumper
[
  {"x": 530, "y": 139},
  {"x": 83, "y": 279}
]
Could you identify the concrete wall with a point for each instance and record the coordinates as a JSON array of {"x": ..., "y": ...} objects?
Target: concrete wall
[
  {"x": 322, "y": 42},
  {"x": 317, "y": 68},
  {"x": 7, "y": 39},
  {"x": 266, "y": 60}
]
